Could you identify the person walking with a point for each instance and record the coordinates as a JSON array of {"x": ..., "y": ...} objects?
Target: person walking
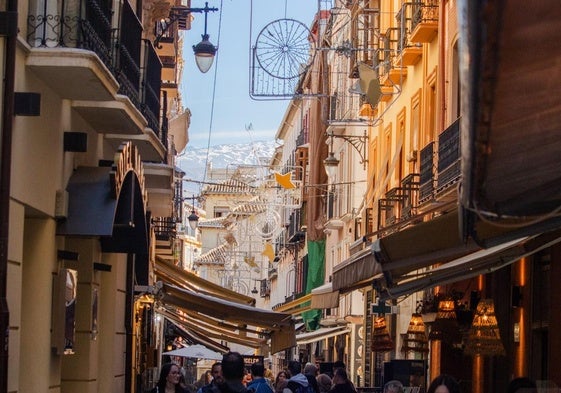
[
  {"x": 215, "y": 375},
  {"x": 169, "y": 380},
  {"x": 341, "y": 382},
  {"x": 258, "y": 382},
  {"x": 233, "y": 369},
  {"x": 298, "y": 383},
  {"x": 281, "y": 381},
  {"x": 324, "y": 383}
]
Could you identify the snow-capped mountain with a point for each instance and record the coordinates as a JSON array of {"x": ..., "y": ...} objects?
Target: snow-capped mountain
[{"x": 193, "y": 160}]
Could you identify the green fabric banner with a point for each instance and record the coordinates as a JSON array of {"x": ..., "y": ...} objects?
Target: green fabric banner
[{"x": 315, "y": 278}]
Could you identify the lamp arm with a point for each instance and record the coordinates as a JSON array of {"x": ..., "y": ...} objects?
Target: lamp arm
[
  {"x": 359, "y": 142},
  {"x": 177, "y": 12}
]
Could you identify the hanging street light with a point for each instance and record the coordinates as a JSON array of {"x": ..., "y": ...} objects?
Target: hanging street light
[{"x": 204, "y": 50}]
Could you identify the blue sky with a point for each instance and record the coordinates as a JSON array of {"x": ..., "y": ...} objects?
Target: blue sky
[{"x": 234, "y": 110}]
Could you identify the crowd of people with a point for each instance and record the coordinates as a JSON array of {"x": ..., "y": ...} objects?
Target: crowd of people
[{"x": 232, "y": 376}]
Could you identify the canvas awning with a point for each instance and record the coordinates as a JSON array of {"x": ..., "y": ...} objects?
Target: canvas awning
[
  {"x": 355, "y": 272},
  {"x": 279, "y": 326},
  {"x": 480, "y": 262},
  {"x": 186, "y": 279},
  {"x": 296, "y": 306},
  {"x": 321, "y": 334},
  {"x": 416, "y": 247},
  {"x": 209, "y": 330},
  {"x": 325, "y": 296},
  {"x": 190, "y": 335}
]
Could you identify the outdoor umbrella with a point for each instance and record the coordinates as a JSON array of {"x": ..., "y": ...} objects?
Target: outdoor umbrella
[{"x": 195, "y": 351}]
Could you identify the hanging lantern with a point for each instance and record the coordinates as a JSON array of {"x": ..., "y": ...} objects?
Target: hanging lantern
[
  {"x": 484, "y": 337},
  {"x": 445, "y": 327},
  {"x": 381, "y": 340},
  {"x": 415, "y": 340}
]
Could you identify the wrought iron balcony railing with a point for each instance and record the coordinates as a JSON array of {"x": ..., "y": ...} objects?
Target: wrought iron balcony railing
[
  {"x": 427, "y": 173},
  {"x": 449, "y": 155},
  {"x": 86, "y": 24}
]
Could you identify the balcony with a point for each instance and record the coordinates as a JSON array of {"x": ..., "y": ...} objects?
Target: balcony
[
  {"x": 424, "y": 21},
  {"x": 449, "y": 157},
  {"x": 165, "y": 233},
  {"x": 426, "y": 186},
  {"x": 78, "y": 53},
  {"x": 409, "y": 53}
]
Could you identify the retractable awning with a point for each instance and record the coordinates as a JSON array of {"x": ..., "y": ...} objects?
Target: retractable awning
[
  {"x": 417, "y": 247},
  {"x": 296, "y": 306},
  {"x": 210, "y": 330},
  {"x": 325, "y": 296},
  {"x": 191, "y": 336},
  {"x": 321, "y": 334},
  {"x": 279, "y": 326},
  {"x": 355, "y": 272},
  {"x": 480, "y": 262},
  {"x": 165, "y": 271}
]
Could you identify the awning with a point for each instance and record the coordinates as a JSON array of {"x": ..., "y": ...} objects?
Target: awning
[
  {"x": 321, "y": 334},
  {"x": 279, "y": 326},
  {"x": 183, "y": 278},
  {"x": 211, "y": 330},
  {"x": 194, "y": 337},
  {"x": 480, "y": 262},
  {"x": 296, "y": 306},
  {"x": 94, "y": 210},
  {"x": 419, "y": 246},
  {"x": 356, "y": 271},
  {"x": 324, "y": 297}
]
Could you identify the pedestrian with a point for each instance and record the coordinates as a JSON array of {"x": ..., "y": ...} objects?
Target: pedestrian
[
  {"x": 324, "y": 383},
  {"x": 298, "y": 383},
  {"x": 522, "y": 385},
  {"x": 215, "y": 378},
  {"x": 311, "y": 372},
  {"x": 339, "y": 364},
  {"x": 204, "y": 379},
  {"x": 393, "y": 386},
  {"x": 169, "y": 380},
  {"x": 341, "y": 382},
  {"x": 444, "y": 384},
  {"x": 233, "y": 369},
  {"x": 281, "y": 381},
  {"x": 258, "y": 382}
]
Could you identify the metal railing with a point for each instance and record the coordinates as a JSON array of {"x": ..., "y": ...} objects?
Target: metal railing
[{"x": 86, "y": 24}]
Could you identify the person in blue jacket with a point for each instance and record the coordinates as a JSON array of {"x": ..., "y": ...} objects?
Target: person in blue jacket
[{"x": 258, "y": 383}]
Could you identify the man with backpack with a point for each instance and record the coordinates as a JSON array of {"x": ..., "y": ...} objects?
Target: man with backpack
[
  {"x": 298, "y": 382},
  {"x": 258, "y": 382}
]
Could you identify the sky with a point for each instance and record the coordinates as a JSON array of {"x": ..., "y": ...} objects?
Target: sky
[{"x": 233, "y": 116}]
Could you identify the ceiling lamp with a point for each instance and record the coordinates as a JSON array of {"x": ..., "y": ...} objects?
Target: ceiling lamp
[
  {"x": 415, "y": 339},
  {"x": 484, "y": 338}
]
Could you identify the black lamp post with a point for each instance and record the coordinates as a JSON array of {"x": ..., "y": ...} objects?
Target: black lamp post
[
  {"x": 204, "y": 50},
  {"x": 193, "y": 218}
]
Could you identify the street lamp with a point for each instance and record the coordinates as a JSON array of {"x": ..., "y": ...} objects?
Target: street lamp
[
  {"x": 204, "y": 50},
  {"x": 359, "y": 142},
  {"x": 193, "y": 218}
]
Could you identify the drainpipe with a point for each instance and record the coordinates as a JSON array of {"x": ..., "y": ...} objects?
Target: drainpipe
[{"x": 5, "y": 172}]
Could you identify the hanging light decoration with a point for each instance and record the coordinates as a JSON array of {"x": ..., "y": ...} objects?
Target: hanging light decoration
[
  {"x": 484, "y": 338},
  {"x": 381, "y": 340},
  {"x": 445, "y": 327},
  {"x": 415, "y": 340}
]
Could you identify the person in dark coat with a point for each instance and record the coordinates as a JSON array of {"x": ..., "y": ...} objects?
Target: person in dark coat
[
  {"x": 169, "y": 380},
  {"x": 233, "y": 370},
  {"x": 341, "y": 382}
]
